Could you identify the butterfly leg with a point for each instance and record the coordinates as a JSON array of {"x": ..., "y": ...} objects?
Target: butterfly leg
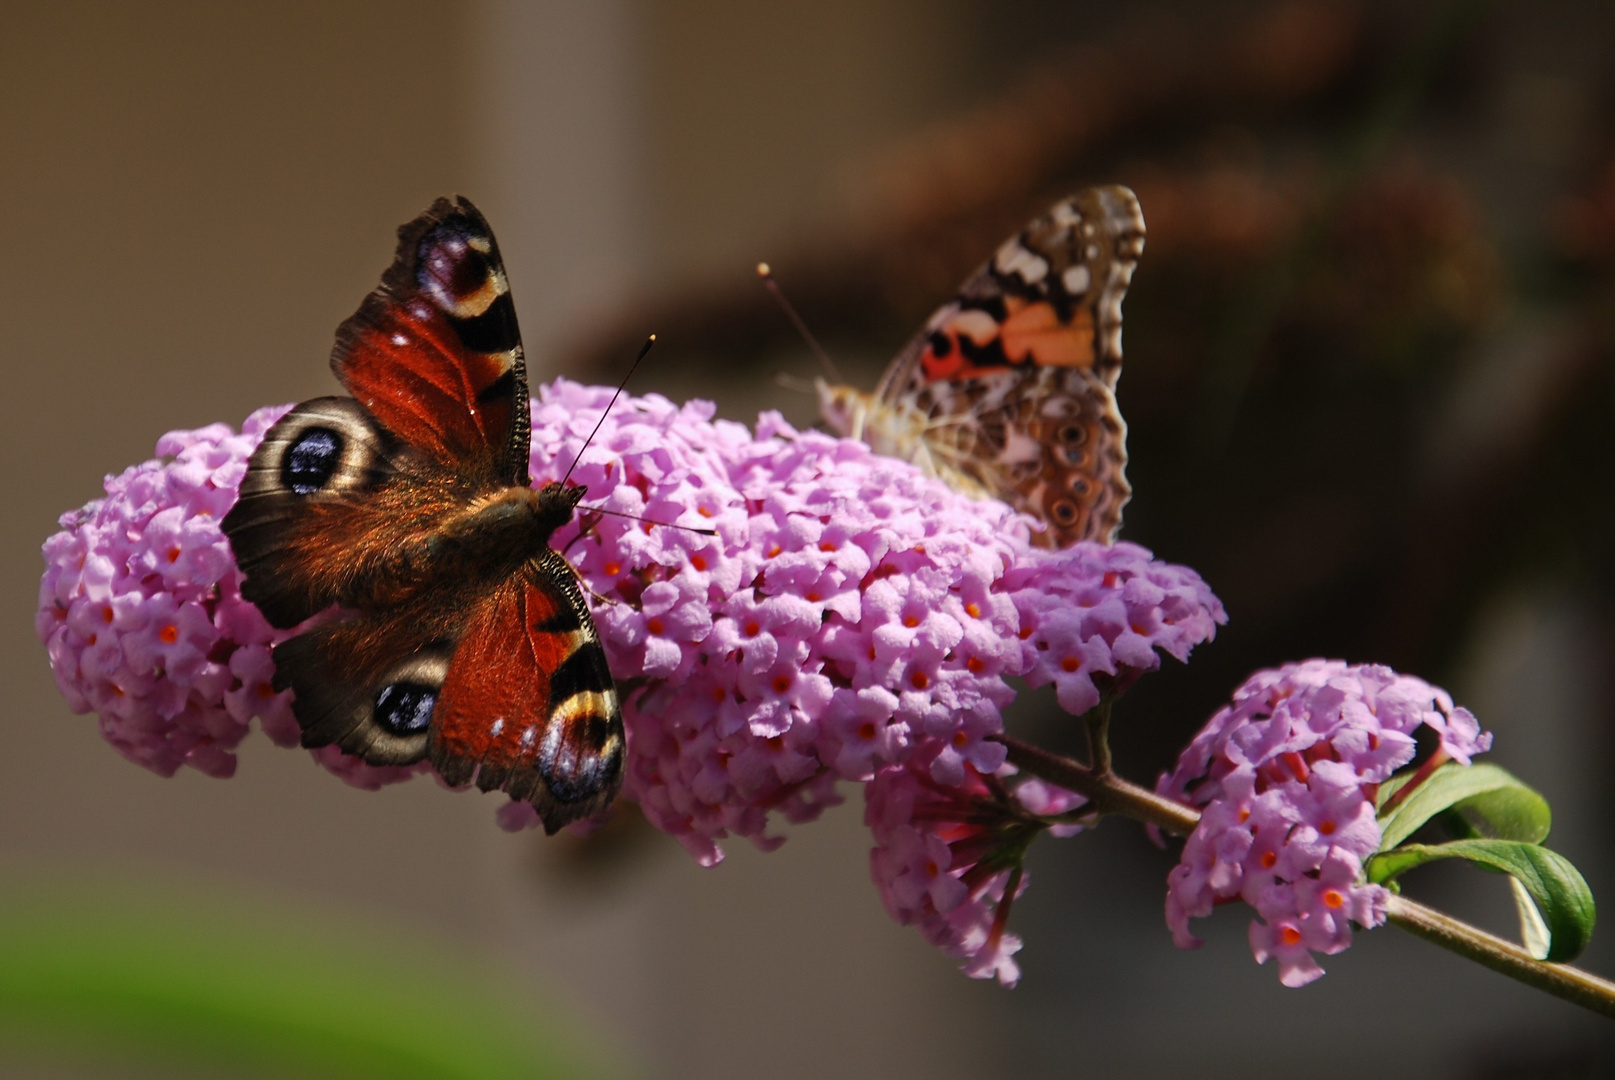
[{"x": 589, "y": 588}]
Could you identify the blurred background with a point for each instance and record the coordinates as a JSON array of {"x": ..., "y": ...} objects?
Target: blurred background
[{"x": 1370, "y": 385}]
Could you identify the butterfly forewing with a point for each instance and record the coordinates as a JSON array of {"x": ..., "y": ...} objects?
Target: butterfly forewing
[
  {"x": 435, "y": 353},
  {"x": 461, "y": 635}
]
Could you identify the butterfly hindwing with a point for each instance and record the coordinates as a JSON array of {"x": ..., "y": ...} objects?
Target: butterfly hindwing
[
  {"x": 1009, "y": 390},
  {"x": 513, "y": 694},
  {"x": 367, "y": 685},
  {"x": 529, "y": 706}
]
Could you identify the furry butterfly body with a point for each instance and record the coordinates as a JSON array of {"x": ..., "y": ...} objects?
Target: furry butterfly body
[
  {"x": 462, "y": 636},
  {"x": 1009, "y": 390}
]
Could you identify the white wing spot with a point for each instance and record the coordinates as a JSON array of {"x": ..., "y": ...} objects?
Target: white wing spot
[
  {"x": 400, "y": 339},
  {"x": 977, "y": 325},
  {"x": 1076, "y": 279},
  {"x": 497, "y": 726},
  {"x": 529, "y": 735},
  {"x": 1014, "y": 258}
]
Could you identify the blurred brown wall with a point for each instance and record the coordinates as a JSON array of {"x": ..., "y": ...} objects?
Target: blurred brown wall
[{"x": 194, "y": 195}]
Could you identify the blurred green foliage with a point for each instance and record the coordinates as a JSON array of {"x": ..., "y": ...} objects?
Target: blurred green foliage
[{"x": 116, "y": 972}]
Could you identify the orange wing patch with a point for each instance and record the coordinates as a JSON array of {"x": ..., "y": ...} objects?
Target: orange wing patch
[{"x": 971, "y": 342}]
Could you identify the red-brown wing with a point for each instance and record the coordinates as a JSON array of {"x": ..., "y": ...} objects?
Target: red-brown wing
[
  {"x": 510, "y": 691},
  {"x": 528, "y": 704},
  {"x": 435, "y": 354},
  {"x": 328, "y": 507}
]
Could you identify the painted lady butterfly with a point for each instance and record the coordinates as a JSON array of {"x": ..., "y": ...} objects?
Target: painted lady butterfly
[{"x": 1010, "y": 390}]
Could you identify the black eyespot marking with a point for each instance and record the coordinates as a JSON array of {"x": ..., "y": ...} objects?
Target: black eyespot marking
[
  {"x": 1072, "y": 455},
  {"x": 310, "y": 460},
  {"x": 941, "y": 344},
  {"x": 450, "y": 268},
  {"x": 1079, "y": 485},
  {"x": 572, "y": 759},
  {"x": 405, "y": 708},
  {"x": 1073, "y": 433},
  {"x": 1064, "y": 512}
]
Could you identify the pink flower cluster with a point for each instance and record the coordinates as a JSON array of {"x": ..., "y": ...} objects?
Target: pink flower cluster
[
  {"x": 1286, "y": 775},
  {"x": 851, "y": 617},
  {"x": 141, "y": 613},
  {"x": 948, "y": 857}
]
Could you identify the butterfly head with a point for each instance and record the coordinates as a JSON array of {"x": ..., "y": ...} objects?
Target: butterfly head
[
  {"x": 555, "y": 502},
  {"x": 844, "y": 408}
]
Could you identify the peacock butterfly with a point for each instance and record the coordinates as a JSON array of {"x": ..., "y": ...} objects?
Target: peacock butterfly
[{"x": 463, "y": 637}]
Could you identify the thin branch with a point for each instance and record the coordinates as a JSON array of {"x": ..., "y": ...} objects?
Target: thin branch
[
  {"x": 1561, "y": 980},
  {"x": 1099, "y": 737},
  {"x": 1110, "y": 794}
]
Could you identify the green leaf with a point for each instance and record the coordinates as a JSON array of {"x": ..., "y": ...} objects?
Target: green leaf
[
  {"x": 1554, "y": 887},
  {"x": 1514, "y": 812},
  {"x": 1489, "y": 798}
]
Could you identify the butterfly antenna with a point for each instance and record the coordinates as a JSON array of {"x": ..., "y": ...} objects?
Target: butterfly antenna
[
  {"x": 643, "y": 349},
  {"x": 648, "y": 521},
  {"x": 767, "y": 275}
]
